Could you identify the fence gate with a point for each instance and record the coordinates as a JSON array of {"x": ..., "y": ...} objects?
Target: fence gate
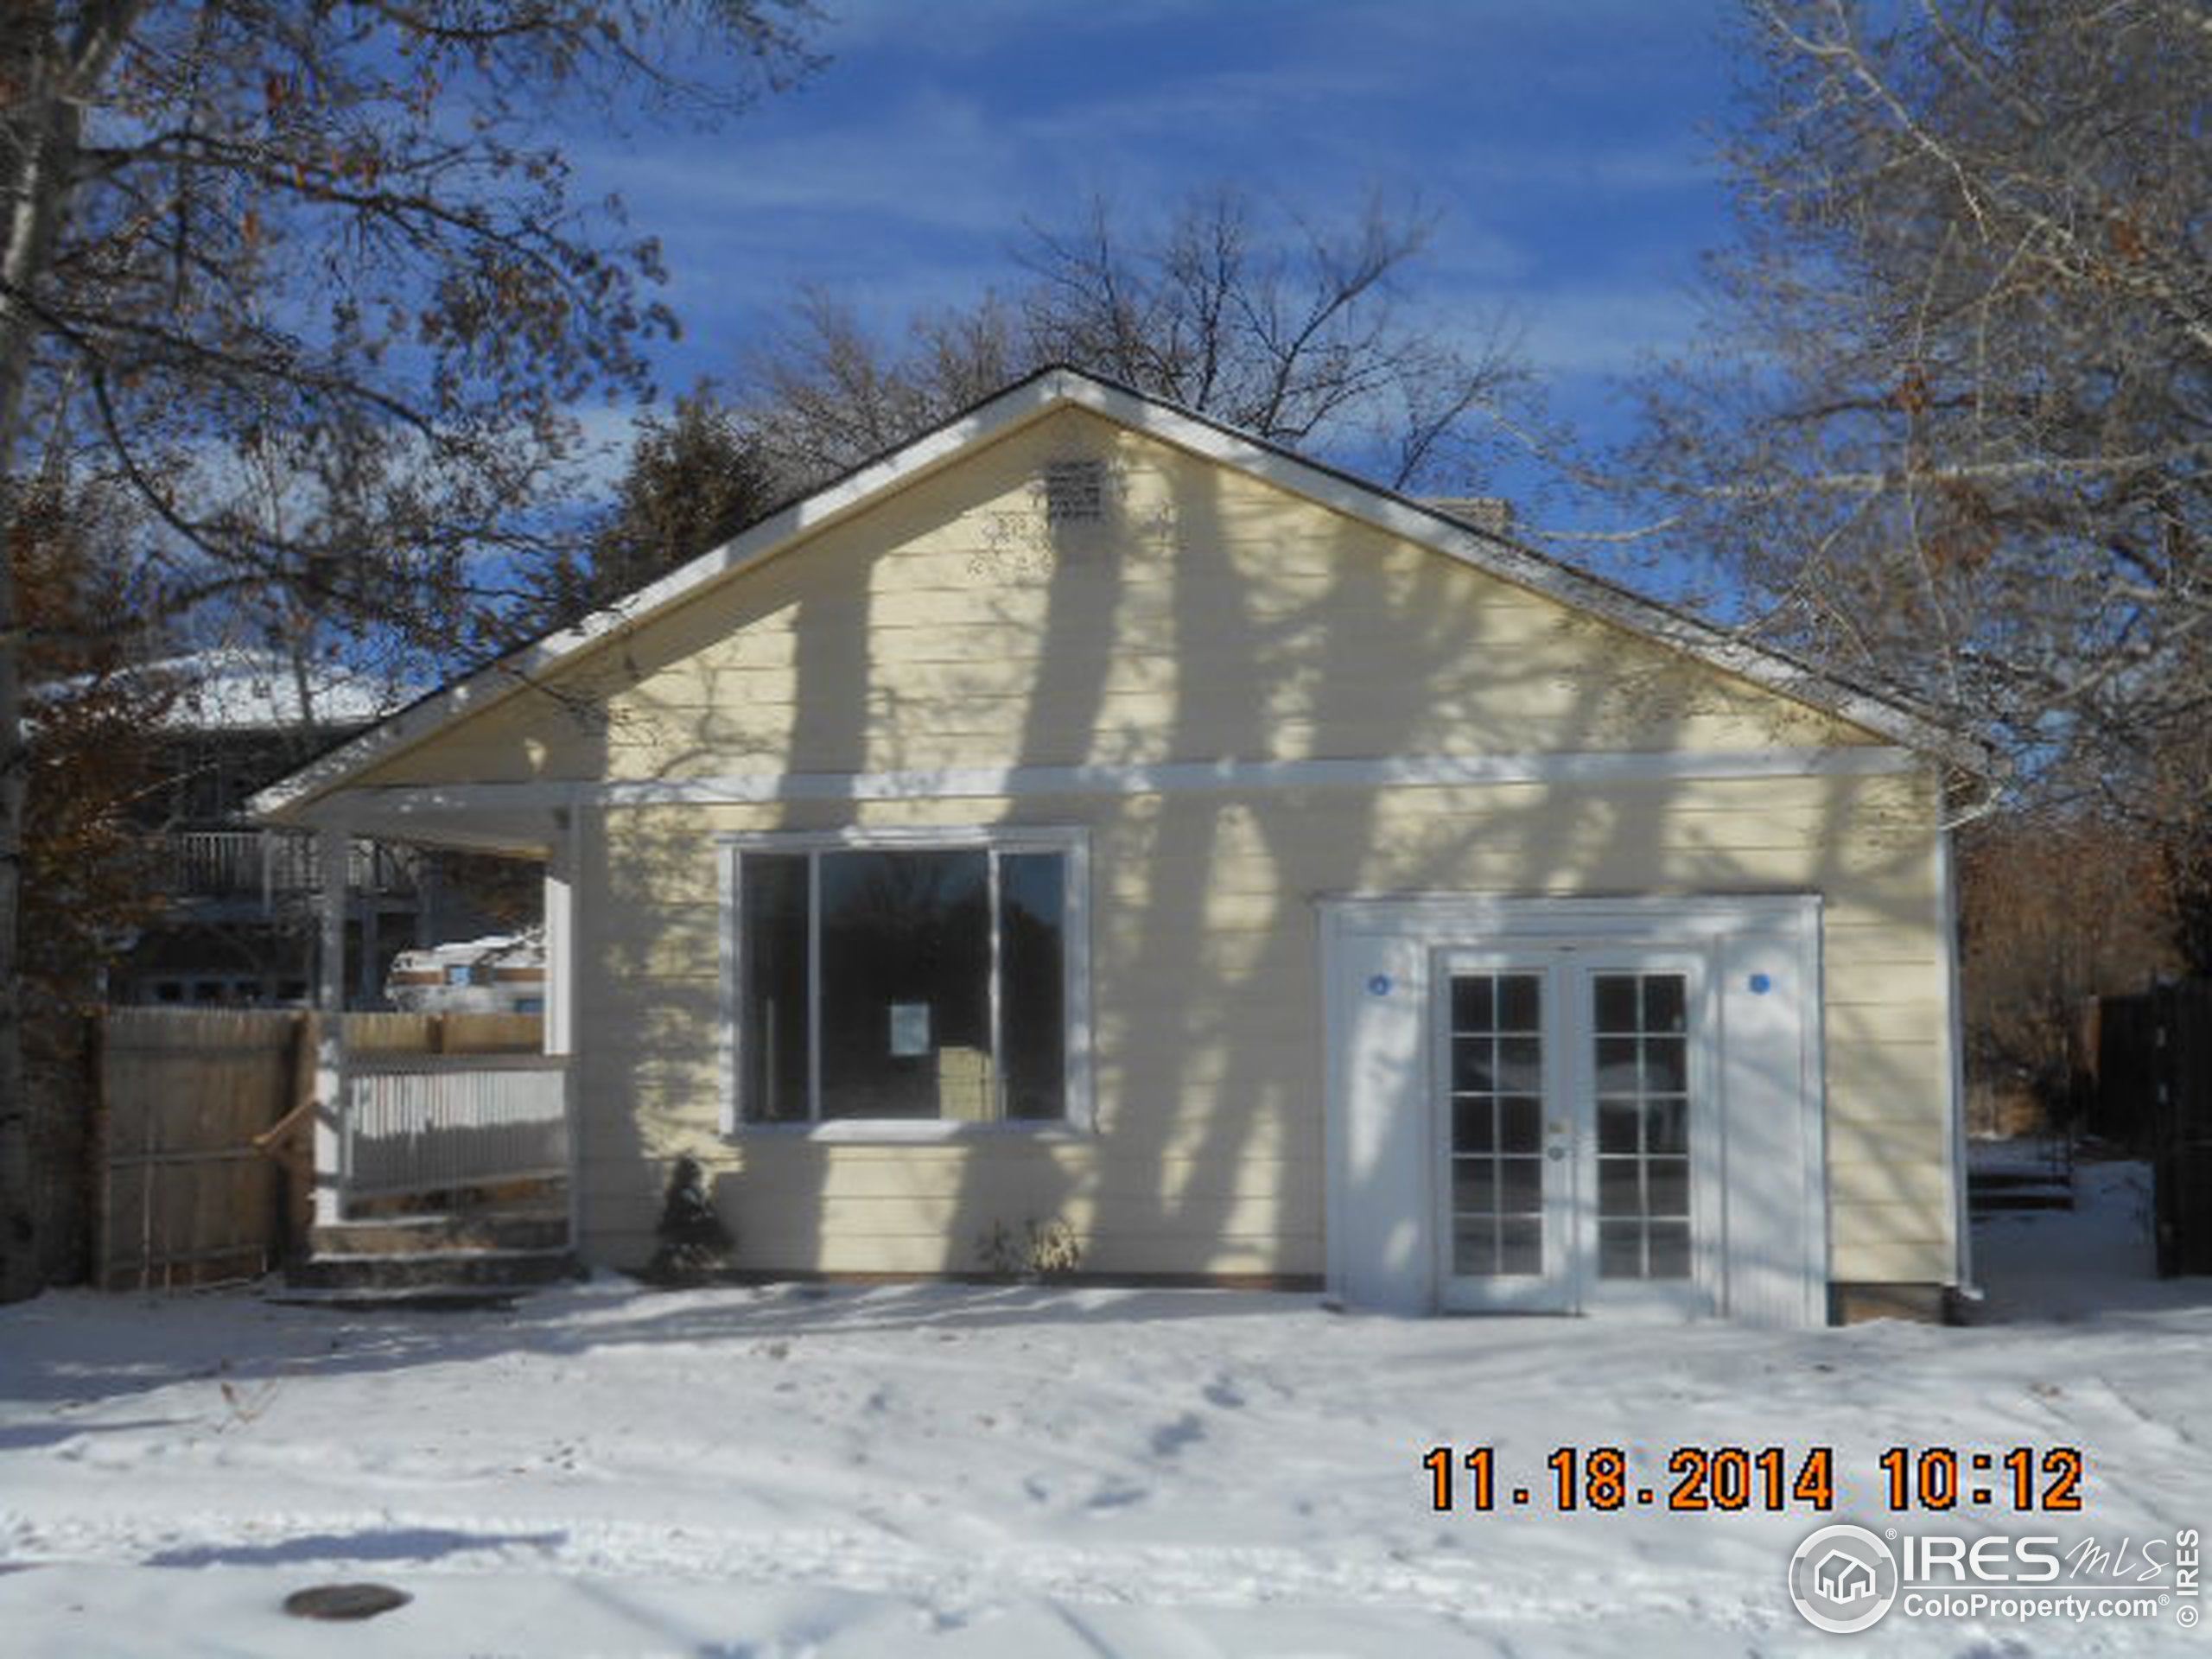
[{"x": 184, "y": 1196}]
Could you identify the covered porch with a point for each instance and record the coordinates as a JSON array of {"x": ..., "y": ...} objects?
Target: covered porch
[{"x": 441, "y": 1140}]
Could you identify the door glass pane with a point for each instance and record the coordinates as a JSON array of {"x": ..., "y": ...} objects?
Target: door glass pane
[
  {"x": 1617, "y": 1065},
  {"x": 1520, "y": 1002},
  {"x": 1620, "y": 1249},
  {"x": 1521, "y": 1123},
  {"x": 1520, "y": 1066},
  {"x": 1641, "y": 1053},
  {"x": 1666, "y": 1187},
  {"x": 906, "y": 976},
  {"x": 1474, "y": 1248},
  {"x": 773, "y": 1030},
  {"x": 1666, "y": 1066},
  {"x": 1473, "y": 1008},
  {"x": 1520, "y": 1246},
  {"x": 1620, "y": 1193},
  {"x": 1474, "y": 1065},
  {"x": 1521, "y": 1186},
  {"x": 1474, "y": 1124},
  {"x": 1496, "y": 1123},
  {"x": 1617, "y": 1122},
  {"x": 1615, "y": 997},
  {"x": 1474, "y": 1185},
  {"x": 1670, "y": 1249}
]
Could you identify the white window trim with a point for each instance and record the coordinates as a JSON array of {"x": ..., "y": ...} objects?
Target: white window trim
[{"x": 1073, "y": 844}]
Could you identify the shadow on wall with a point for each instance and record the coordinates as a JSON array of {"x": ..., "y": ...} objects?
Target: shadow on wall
[{"x": 1209, "y": 617}]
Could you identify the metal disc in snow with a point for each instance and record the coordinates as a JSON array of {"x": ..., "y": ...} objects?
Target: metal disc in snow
[{"x": 345, "y": 1601}]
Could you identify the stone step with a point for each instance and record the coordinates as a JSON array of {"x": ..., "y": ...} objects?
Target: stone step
[
  {"x": 492, "y": 1229},
  {"x": 433, "y": 1271}
]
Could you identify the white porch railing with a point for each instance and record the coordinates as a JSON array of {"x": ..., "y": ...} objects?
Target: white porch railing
[{"x": 434, "y": 1122}]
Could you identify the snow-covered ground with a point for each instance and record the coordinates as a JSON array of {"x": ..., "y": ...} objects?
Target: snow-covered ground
[{"x": 964, "y": 1471}]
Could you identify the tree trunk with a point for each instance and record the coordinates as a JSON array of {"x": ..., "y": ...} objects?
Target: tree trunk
[{"x": 41, "y": 126}]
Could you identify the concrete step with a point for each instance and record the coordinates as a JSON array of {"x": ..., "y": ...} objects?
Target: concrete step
[
  {"x": 408, "y": 1298},
  {"x": 1999, "y": 1192},
  {"x": 489, "y": 1230},
  {"x": 431, "y": 1271},
  {"x": 2000, "y": 1181},
  {"x": 2053, "y": 1196}
]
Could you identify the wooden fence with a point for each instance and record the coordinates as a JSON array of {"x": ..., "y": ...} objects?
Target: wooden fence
[
  {"x": 2155, "y": 1081},
  {"x": 203, "y": 1130}
]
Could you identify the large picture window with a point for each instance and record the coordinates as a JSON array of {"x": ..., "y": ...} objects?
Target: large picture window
[{"x": 929, "y": 982}]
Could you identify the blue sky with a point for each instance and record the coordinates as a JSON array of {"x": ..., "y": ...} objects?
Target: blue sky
[{"x": 1564, "y": 147}]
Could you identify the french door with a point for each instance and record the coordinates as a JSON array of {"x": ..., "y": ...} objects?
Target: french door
[{"x": 1576, "y": 1155}]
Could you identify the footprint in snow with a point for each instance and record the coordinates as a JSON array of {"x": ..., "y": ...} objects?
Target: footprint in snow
[
  {"x": 1169, "y": 1439},
  {"x": 1223, "y": 1393}
]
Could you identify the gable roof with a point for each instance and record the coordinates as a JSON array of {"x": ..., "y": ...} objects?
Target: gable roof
[{"x": 1059, "y": 386}]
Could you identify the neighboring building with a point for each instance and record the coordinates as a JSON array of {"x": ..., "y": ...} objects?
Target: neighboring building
[
  {"x": 1091, "y": 812},
  {"x": 240, "y": 924}
]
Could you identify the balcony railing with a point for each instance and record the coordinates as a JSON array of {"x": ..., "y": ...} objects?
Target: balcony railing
[{"x": 273, "y": 863}]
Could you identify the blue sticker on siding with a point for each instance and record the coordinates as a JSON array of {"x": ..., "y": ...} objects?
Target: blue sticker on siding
[
  {"x": 1378, "y": 985},
  {"x": 1760, "y": 984}
]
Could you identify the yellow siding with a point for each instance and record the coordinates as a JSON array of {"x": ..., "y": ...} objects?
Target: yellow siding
[
  {"x": 1205, "y": 973},
  {"x": 1216, "y": 617}
]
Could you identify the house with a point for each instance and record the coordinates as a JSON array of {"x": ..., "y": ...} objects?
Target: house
[
  {"x": 1090, "y": 814},
  {"x": 238, "y": 922}
]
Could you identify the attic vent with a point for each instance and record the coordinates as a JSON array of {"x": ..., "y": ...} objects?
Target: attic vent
[{"x": 1075, "y": 491}]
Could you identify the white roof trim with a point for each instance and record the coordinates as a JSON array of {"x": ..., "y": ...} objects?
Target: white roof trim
[
  {"x": 1033, "y": 398},
  {"x": 390, "y": 808}
]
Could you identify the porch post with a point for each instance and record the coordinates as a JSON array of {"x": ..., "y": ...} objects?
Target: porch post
[
  {"x": 560, "y": 937},
  {"x": 331, "y": 843},
  {"x": 562, "y": 864},
  {"x": 372, "y": 916}
]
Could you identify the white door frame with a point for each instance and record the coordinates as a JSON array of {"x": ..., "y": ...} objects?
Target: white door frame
[{"x": 1762, "y": 1222}]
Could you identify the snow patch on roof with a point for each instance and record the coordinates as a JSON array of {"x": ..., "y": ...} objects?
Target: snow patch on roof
[{"x": 231, "y": 687}]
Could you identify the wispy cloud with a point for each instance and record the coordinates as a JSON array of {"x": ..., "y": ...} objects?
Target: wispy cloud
[{"x": 1558, "y": 147}]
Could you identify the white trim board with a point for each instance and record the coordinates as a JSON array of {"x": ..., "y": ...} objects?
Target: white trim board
[
  {"x": 1057, "y": 388},
  {"x": 1158, "y": 777}
]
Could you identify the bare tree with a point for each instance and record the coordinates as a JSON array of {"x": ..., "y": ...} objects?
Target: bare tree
[
  {"x": 329, "y": 240},
  {"x": 2062, "y": 905},
  {"x": 1295, "y": 331},
  {"x": 1951, "y": 428}
]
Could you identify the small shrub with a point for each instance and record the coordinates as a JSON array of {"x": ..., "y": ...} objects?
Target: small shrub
[{"x": 1042, "y": 1249}]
